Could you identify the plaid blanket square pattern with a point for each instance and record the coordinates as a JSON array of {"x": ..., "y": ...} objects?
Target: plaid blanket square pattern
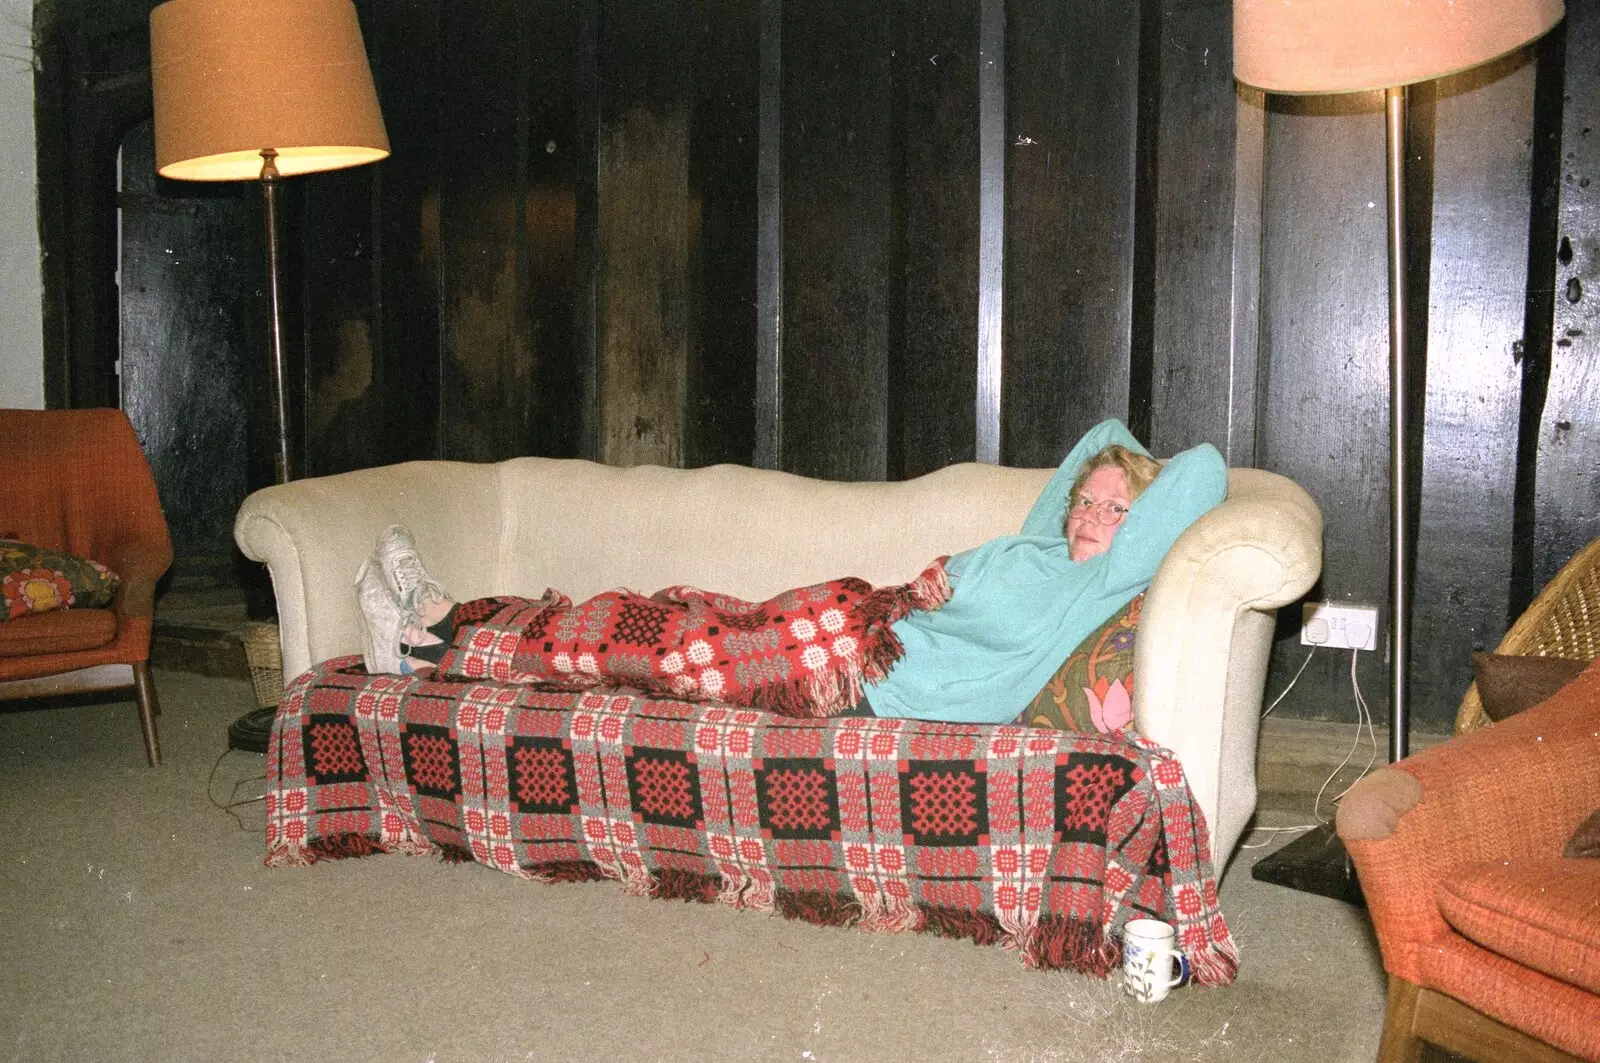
[
  {"x": 805, "y": 652},
  {"x": 1044, "y": 842}
]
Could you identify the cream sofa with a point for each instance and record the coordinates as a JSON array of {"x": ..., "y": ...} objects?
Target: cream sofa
[{"x": 520, "y": 526}]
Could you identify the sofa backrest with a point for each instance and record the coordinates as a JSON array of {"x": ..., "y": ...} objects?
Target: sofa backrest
[{"x": 583, "y": 528}]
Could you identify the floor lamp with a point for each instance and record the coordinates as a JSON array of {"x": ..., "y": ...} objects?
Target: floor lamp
[
  {"x": 259, "y": 90},
  {"x": 1308, "y": 47}
]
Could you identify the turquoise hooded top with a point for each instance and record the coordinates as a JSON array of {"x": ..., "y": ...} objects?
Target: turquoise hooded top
[{"x": 1020, "y": 604}]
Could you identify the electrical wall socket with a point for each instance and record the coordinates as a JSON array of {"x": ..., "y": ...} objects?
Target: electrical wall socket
[{"x": 1339, "y": 627}]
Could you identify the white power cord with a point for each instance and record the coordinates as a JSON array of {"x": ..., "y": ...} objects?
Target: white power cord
[
  {"x": 1363, "y": 716},
  {"x": 1357, "y": 634}
]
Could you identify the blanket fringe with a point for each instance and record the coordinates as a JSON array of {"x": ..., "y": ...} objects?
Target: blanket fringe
[
  {"x": 841, "y": 684},
  {"x": 822, "y": 909},
  {"x": 289, "y": 856},
  {"x": 330, "y": 847},
  {"x": 412, "y": 845},
  {"x": 931, "y": 589},
  {"x": 730, "y": 889},
  {"x": 1055, "y": 943},
  {"x": 1058, "y": 941},
  {"x": 567, "y": 871},
  {"x": 1217, "y": 965},
  {"x": 981, "y": 928},
  {"x": 882, "y": 914},
  {"x": 673, "y": 883}
]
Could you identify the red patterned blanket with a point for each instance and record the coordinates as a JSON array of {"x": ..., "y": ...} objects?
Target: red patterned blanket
[
  {"x": 805, "y": 652},
  {"x": 1043, "y": 841}
]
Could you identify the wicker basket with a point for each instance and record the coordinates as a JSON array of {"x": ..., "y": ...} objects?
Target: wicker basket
[
  {"x": 1564, "y": 621},
  {"x": 265, "y": 657}
]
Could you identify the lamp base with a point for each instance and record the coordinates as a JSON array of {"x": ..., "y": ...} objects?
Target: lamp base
[
  {"x": 252, "y": 731},
  {"x": 1314, "y": 863}
]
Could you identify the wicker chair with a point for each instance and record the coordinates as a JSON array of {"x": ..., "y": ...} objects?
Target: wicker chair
[{"x": 1564, "y": 621}]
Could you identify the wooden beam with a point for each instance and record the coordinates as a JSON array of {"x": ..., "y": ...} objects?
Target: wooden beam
[{"x": 1444, "y": 1021}]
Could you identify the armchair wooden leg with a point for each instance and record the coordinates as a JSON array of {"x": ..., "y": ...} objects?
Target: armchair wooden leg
[
  {"x": 1400, "y": 1042},
  {"x": 144, "y": 689}
]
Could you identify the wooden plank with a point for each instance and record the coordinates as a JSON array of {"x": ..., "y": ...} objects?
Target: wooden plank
[
  {"x": 1324, "y": 384},
  {"x": 720, "y": 417},
  {"x": 53, "y": 163},
  {"x": 769, "y": 241},
  {"x": 556, "y": 153},
  {"x": 585, "y": 112},
  {"x": 1146, "y": 224},
  {"x": 1447, "y": 1022},
  {"x": 1479, "y": 123},
  {"x": 403, "y": 47},
  {"x": 1072, "y": 88},
  {"x": 936, "y": 386},
  {"x": 644, "y": 317},
  {"x": 841, "y": 291},
  {"x": 191, "y": 274},
  {"x": 1538, "y": 307},
  {"x": 1194, "y": 227},
  {"x": 337, "y": 346},
  {"x": 108, "y": 91},
  {"x": 1567, "y": 494},
  {"x": 487, "y": 371}
]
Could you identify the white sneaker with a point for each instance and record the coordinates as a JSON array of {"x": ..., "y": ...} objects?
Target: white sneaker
[
  {"x": 396, "y": 557},
  {"x": 381, "y": 620}
]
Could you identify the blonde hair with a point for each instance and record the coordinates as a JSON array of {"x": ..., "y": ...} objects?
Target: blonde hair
[{"x": 1140, "y": 469}]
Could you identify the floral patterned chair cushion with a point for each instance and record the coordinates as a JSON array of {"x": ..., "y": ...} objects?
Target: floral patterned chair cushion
[{"x": 34, "y": 579}]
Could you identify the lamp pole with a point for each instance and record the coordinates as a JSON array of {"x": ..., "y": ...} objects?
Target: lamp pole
[
  {"x": 282, "y": 465},
  {"x": 1399, "y": 471}
]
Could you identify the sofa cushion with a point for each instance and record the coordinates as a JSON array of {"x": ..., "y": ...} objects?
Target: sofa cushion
[
  {"x": 63, "y": 631},
  {"x": 1093, "y": 689},
  {"x": 1508, "y": 684},
  {"x": 1542, "y": 913},
  {"x": 36, "y": 579},
  {"x": 1547, "y": 1008}
]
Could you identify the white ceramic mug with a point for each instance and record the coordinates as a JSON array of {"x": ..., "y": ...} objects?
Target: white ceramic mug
[{"x": 1151, "y": 962}]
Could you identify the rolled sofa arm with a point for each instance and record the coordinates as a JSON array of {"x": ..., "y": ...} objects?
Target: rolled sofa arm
[
  {"x": 1205, "y": 637},
  {"x": 314, "y": 534},
  {"x": 1514, "y": 790}
]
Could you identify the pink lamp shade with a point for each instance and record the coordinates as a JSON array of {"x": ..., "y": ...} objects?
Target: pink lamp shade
[
  {"x": 233, "y": 77},
  {"x": 1327, "y": 46}
]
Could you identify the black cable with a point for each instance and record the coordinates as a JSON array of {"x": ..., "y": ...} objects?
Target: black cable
[{"x": 233, "y": 797}]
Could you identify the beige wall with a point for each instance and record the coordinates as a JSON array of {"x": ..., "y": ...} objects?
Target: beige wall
[{"x": 21, "y": 319}]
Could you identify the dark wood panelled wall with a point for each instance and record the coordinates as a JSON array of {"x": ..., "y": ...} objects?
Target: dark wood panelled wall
[{"x": 864, "y": 240}]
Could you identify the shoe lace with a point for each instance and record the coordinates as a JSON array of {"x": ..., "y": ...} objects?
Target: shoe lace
[{"x": 416, "y": 586}]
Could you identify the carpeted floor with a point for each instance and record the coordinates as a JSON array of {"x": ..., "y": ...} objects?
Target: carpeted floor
[{"x": 140, "y": 924}]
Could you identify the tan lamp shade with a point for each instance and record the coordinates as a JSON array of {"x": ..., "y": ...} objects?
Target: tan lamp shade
[
  {"x": 1325, "y": 46},
  {"x": 233, "y": 77}
]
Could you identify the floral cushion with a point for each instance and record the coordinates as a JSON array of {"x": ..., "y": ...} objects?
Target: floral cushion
[
  {"x": 35, "y": 579},
  {"x": 1093, "y": 689}
]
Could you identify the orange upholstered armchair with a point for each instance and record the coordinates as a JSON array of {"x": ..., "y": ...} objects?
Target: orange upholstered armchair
[
  {"x": 77, "y": 481},
  {"x": 1490, "y": 936}
]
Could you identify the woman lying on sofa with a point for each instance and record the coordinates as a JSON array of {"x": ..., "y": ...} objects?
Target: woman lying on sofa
[{"x": 971, "y": 640}]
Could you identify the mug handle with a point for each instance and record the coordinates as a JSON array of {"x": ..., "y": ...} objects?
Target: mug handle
[{"x": 1182, "y": 974}]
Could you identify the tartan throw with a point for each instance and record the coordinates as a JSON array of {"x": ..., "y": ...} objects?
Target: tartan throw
[
  {"x": 805, "y": 652},
  {"x": 1044, "y": 842}
]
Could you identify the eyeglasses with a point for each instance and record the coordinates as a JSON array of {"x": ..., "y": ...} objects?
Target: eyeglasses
[{"x": 1107, "y": 511}]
